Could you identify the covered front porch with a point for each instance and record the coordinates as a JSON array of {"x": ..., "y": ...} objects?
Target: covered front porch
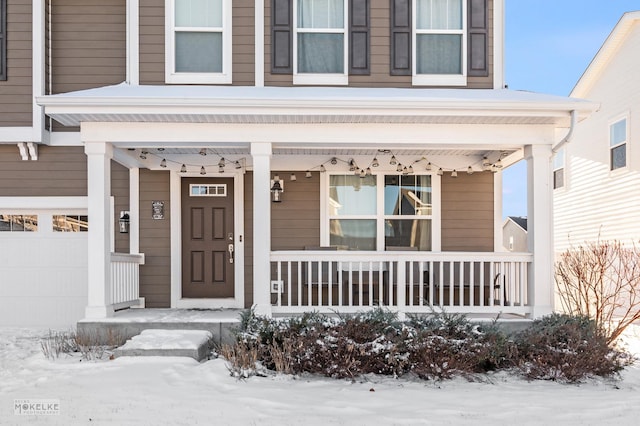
[{"x": 284, "y": 251}]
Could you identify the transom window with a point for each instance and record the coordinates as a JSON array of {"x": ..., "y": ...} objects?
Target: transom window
[
  {"x": 618, "y": 144},
  {"x": 558, "y": 169},
  {"x": 198, "y": 41},
  {"x": 209, "y": 190},
  {"x": 320, "y": 42},
  {"x": 439, "y": 42},
  {"x": 383, "y": 212}
]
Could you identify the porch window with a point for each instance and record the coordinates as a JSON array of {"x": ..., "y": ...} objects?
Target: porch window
[
  {"x": 198, "y": 41},
  {"x": 618, "y": 144},
  {"x": 18, "y": 223},
  {"x": 440, "y": 46},
  {"x": 320, "y": 42},
  {"x": 382, "y": 212},
  {"x": 558, "y": 169}
]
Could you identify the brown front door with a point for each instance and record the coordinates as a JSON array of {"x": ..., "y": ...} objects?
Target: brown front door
[{"x": 207, "y": 238}]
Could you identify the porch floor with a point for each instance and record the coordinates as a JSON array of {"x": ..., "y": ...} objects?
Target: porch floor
[{"x": 131, "y": 322}]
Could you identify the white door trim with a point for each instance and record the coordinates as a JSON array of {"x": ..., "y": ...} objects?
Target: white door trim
[{"x": 175, "y": 199}]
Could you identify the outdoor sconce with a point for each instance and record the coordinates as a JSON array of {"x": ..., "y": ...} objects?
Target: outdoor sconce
[
  {"x": 276, "y": 189},
  {"x": 124, "y": 222}
]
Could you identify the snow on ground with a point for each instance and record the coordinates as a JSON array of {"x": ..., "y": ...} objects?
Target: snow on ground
[{"x": 181, "y": 391}]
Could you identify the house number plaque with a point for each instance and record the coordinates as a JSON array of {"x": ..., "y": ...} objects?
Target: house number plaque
[{"x": 157, "y": 208}]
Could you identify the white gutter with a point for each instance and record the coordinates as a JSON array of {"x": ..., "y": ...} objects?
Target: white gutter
[{"x": 567, "y": 138}]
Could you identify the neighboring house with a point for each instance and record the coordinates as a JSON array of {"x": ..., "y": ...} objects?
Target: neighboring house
[
  {"x": 596, "y": 175},
  {"x": 514, "y": 234},
  {"x": 378, "y": 127}
]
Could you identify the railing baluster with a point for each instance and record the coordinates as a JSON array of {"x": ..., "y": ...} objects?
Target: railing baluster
[
  {"x": 299, "y": 273},
  {"x": 289, "y": 280},
  {"x": 421, "y": 288},
  {"x": 279, "y": 296},
  {"x": 340, "y": 301},
  {"x": 410, "y": 283}
]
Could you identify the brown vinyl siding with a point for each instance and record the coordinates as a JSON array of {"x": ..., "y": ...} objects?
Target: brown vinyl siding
[
  {"x": 88, "y": 44},
  {"x": 295, "y": 223},
  {"x": 16, "y": 106},
  {"x": 152, "y": 42},
  {"x": 380, "y": 54},
  {"x": 120, "y": 193},
  {"x": 467, "y": 212},
  {"x": 243, "y": 43},
  {"x": 59, "y": 171},
  {"x": 155, "y": 240}
]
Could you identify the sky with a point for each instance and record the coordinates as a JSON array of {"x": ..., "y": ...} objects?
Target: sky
[{"x": 548, "y": 45}]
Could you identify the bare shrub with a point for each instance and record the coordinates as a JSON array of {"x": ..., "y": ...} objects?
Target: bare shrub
[
  {"x": 601, "y": 280},
  {"x": 58, "y": 343},
  {"x": 91, "y": 346},
  {"x": 241, "y": 359}
]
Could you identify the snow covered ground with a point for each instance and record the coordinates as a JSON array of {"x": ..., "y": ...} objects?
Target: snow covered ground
[{"x": 181, "y": 391}]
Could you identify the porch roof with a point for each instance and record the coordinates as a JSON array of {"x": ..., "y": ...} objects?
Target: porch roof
[{"x": 264, "y": 105}]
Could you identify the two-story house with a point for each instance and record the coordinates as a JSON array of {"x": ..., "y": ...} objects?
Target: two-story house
[
  {"x": 291, "y": 155},
  {"x": 596, "y": 175}
]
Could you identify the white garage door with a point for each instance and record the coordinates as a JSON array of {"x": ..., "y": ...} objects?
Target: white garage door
[{"x": 43, "y": 268}]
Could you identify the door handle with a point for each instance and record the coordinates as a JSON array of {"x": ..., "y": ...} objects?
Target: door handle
[{"x": 230, "y": 248}]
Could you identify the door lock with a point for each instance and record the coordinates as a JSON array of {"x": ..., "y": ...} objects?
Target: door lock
[{"x": 230, "y": 248}]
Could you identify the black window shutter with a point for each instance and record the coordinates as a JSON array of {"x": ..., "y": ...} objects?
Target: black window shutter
[
  {"x": 400, "y": 37},
  {"x": 359, "y": 37},
  {"x": 478, "y": 39},
  {"x": 281, "y": 37},
  {"x": 3, "y": 39}
]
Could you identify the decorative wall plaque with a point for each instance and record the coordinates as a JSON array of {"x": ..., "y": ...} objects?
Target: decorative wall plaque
[{"x": 157, "y": 209}]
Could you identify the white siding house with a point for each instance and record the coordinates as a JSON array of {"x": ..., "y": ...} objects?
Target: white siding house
[{"x": 597, "y": 175}]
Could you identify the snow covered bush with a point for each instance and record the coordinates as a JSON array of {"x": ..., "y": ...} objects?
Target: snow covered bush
[
  {"x": 567, "y": 348},
  {"x": 434, "y": 347}
]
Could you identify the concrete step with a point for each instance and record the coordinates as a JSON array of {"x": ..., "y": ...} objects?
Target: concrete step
[{"x": 157, "y": 342}]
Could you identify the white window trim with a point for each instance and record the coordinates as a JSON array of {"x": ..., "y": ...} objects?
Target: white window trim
[
  {"x": 438, "y": 79},
  {"x": 626, "y": 143},
  {"x": 337, "y": 79},
  {"x": 380, "y": 217},
  {"x": 172, "y": 77},
  {"x": 561, "y": 167}
]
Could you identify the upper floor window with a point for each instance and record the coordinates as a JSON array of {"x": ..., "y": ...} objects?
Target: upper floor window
[
  {"x": 439, "y": 42},
  {"x": 198, "y": 46},
  {"x": 618, "y": 144},
  {"x": 320, "y": 42},
  {"x": 558, "y": 169},
  {"x": 3, "y": 39}
]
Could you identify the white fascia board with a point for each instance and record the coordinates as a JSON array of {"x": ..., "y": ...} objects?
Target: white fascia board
[
  {"x": 16, "y": 134},
  {"x": 606, "y": 53},
  {"x": 64, "y": 138},
  {"x": 323, "y": 135}
]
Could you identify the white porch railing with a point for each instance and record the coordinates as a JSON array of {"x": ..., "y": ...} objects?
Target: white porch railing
[
  {"x": 408, "y": 282},
  {"x": 125, "y": 280}
]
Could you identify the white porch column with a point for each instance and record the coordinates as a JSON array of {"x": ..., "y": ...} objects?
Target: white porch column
[
  {"x": 539, "y": 228},
  {"x": 134, "y": 210},
  {"x": 261, "y": 153},
  {"x": 99, "y": 156}
]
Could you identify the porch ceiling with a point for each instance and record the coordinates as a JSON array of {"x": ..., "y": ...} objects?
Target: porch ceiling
[{"x": 301, "y": 105}]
